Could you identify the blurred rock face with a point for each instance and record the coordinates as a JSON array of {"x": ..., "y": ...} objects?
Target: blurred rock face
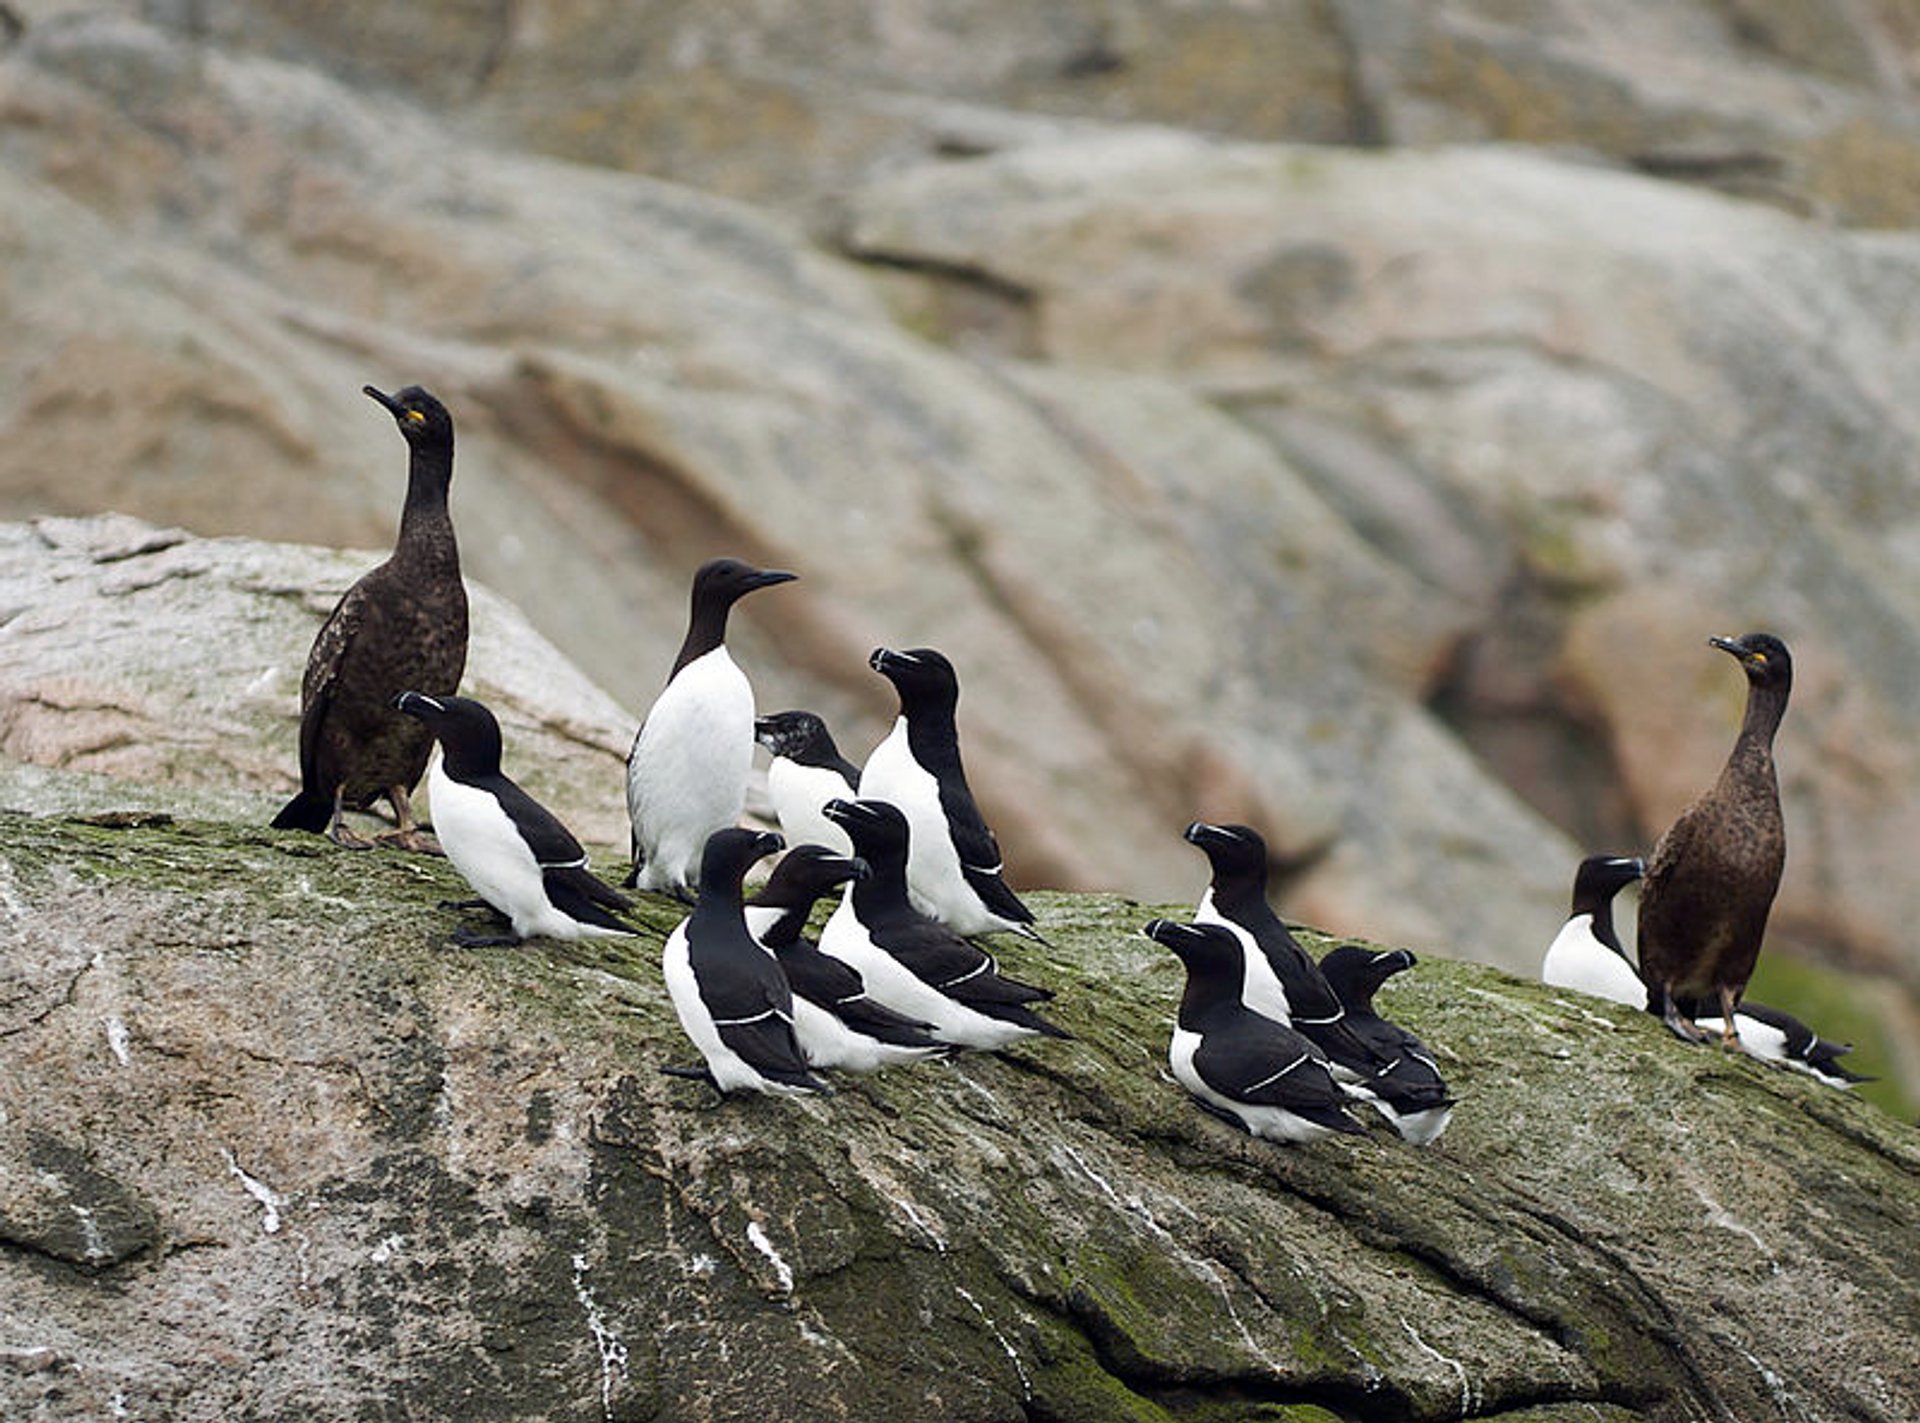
[{"x": 1381, "y": 495}]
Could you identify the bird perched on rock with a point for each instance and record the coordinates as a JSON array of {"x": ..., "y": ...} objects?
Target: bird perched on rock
[
  {"x": 1586, "y": 954},
  {"x": 687, "y": 773},
  {"x": 1711, "y": 878},
  {"x": 730, "y": 995},
  {"x": 518, "y": 857},
  {"x": 806, "y": 772},
  {"x": 1281, "y": 978},
  {"x": 1778, "y": 1037},
  {"x": 401, "y": 626},
  {"x": 1243, "y": 1066},
  {"x": 1409, "y": 1091},
  {"x": 836, "y": 1022},
  {"x": 915, "y": 965},
  {"x": 955, "y": 870}
]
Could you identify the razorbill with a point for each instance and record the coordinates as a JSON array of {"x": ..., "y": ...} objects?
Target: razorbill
[
  {"x": 1244, "y": 1066},
  {"x": 1586, "y": 954},
  {"x": 836, "y": 1023},
  {"x": 915, "y": 965},
  {"x": 1409, "y": 1092},
  {"x": 730, "y": 995},
  {"x": 806, "y": 772},
  {"x": 516, "y": 855},
  {"x": 1711, "y": 878},
  {"x": 1780, "y": 1038},
  {"x": 954, "y": 873},
  {"x": 687, "y": 773},
  {"x": 402, "y": 625},
  {"x": 1281, "y": 979}
]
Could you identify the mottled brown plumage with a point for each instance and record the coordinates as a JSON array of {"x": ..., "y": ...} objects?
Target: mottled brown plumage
[
  {"x": 402, "y": 626},
  {"x": 1711, "y": 879}
]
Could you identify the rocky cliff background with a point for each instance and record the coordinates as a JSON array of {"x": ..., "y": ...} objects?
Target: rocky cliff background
[{"x": 1350, "y": 416}]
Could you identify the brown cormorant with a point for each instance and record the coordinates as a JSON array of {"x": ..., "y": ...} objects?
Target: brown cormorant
[
  {"x": 1711, "y": 879},
  {"x": 402, "y": 626}
]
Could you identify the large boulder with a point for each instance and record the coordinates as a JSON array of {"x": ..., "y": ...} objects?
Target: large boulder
[{"x": 271, "y": 1147}]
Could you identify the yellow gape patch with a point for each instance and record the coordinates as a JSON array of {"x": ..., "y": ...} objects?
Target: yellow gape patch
[{"x": 416, "y": 416}]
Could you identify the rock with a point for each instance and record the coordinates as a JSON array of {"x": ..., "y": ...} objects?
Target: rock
[
  {"x": 356, "y": 1164},
  {"x": 142, "y": 657}
]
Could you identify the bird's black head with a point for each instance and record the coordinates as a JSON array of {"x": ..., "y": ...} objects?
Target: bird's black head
[
  {"x": 797, "y": 735},
  {"x": 467, "y": 731},
  {"x": 723, "y": 581},
  {"x": 1206, "y": 949},
  {"x": 806, "y": 872},
  {"x": 1600, "y": 877},
  {"x": 1763, "y": 657},
  {"x": 876, "y": 827},
  {"x": 1234, "y": 851},
  {"x": 730, "y": 853},
  {"x": 1355, "y": 972},
  {"x": 923, "y": 677},
  {"x": 421, "y": 418}
]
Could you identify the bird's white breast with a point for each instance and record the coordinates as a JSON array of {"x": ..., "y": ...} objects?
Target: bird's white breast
[
  {"x": 1260, "y": 987},
  {"x": 797, "y": 793},
  {"x": 1576, "y": 959},
  {"x": 934, "y": 881},
  {"x": 687, "y": 775}
]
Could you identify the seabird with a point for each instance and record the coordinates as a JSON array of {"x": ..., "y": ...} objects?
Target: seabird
[
  {"x": 1241, "y": 1065},
  {"x": 517, "y": 856},
  {"x": 1281, "y": 979},
  {"x": 402, "y": 625},
  {"x": 687, "y": 773},
  {"x": 1409, "y": 1092},
  {"x": 836, "y": 1023},
  {"x": 806, "y": 772},
  {"x": 915, "y": 965},
  {"x": 1711, "y": 878},
  {"x": 730, "y": 995},
  {"x": 1586, "y": 954},
  {"x": 954, "y": 873},
  {"x": 1778, "y": 1037}
]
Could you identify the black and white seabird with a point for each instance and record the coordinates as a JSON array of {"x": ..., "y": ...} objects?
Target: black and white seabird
[
  {"x": 1281, "y": 979},
  {"x": 806, "y": 772},
  {"x": 687, "y": 773},
  {"x": 1711, "y": 878},
  {"x": 1409, "y": 1092},
  {"x": 1586, "y": 955},
  {"x": 955, "y": 870},
  {"x": 1780, "y": 1038},
  {"x": 730, "y": 995},
  {"x": 915, "y": 965},
  {"x": 401, "y": 626},
  {"x": 1244, "y": 1066},
  {"x": 517, "y": 856},
  {"x": 836, "y": 1023}
]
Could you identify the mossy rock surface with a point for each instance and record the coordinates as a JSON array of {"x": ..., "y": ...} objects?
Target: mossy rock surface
[{"x": 271, "y": 1147}]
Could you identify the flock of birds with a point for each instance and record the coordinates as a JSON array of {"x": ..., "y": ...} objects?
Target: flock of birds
[{"x": 1265, "y": 1036}]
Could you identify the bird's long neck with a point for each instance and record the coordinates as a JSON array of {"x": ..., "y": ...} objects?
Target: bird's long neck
[
  {"x": 426, "y": 529},
  {"x": 1752, "y": 757},
  {"x": 933, "y": 737},
  {"x": 883, "y": 893},
  {"x": 706, "y": 630}
]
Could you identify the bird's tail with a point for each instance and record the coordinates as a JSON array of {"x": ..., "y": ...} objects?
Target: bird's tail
[{"x": 309, "y": 810}]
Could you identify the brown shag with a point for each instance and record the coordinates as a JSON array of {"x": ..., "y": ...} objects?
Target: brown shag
[
  {"x": 1711, "y": 879},
  {"x": 402, "y": 626}
]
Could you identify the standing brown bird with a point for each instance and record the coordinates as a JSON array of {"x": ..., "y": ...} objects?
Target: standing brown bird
[
  {"x": 1711, "y": 880},
  {"x": 401, "y": 627}
]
